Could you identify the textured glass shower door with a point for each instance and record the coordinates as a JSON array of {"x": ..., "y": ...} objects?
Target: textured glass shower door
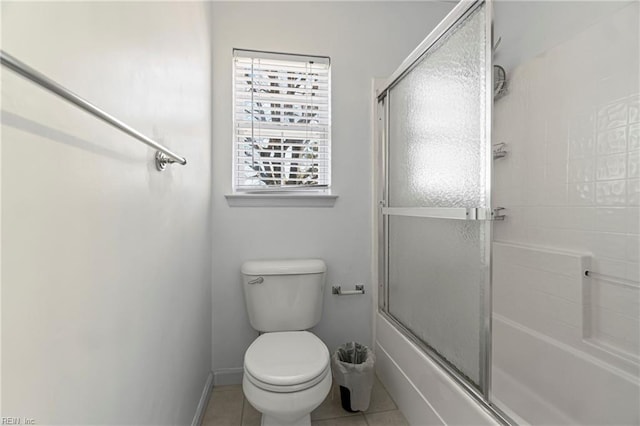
[{"x": 435, "y": 205}]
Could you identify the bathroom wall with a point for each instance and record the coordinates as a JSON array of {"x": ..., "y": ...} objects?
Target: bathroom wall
[
  {"x": 106, "y": 276},
  {"x": 364, "y": 40},
  {"x": 571, "y": 187}
]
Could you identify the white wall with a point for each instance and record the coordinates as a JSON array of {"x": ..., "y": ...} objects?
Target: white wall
[
  {"x": 106, "y": 300},
  {"x": 528, "y": 28},
  {"x": 364, "y": 40},
  {"x": 570, "y": 183}
]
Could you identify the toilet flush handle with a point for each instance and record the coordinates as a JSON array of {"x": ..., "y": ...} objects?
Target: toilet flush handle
[{"x": 258, "y": 280}]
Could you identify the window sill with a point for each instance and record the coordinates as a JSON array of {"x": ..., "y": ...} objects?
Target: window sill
[{"x": 281, "y": 200}]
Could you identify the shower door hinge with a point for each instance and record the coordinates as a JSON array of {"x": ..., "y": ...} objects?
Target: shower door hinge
[{"x": 499, "y": 150}]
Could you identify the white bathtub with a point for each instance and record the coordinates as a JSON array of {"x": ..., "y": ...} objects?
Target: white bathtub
[
  {"x": 425, "y": 394},
  {"x": 547, "y": 382}
]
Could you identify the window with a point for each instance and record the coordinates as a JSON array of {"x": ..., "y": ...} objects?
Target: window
[{"x": 282, "y": 121}]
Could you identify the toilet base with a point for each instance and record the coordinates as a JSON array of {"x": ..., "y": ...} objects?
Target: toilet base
[
  {"x": 270, "y": 421},
  {"x": 286, "y": 408}
]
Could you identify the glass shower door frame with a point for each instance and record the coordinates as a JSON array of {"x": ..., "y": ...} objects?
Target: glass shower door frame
[{"x": 460, "y": 12}]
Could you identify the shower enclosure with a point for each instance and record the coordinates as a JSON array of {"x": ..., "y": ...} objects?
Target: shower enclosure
[
  {"x": 509, "y": 318},
  {"x": 435, "y": 222}
]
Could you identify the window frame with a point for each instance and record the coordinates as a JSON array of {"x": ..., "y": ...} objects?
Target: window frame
[{"x": 282, "y": 192}]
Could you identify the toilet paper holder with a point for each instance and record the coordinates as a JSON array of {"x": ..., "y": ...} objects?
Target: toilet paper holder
[{"x": 337, "y": 290}]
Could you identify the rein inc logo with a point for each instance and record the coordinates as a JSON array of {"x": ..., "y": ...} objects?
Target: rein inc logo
[{"x": 17, "y": 421}]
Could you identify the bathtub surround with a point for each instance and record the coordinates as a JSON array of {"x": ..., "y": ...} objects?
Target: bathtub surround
[
  {"x": 363, "y": 40},
  {"x": 105, "y": 261},
  {"x": 566, "y": 347}
]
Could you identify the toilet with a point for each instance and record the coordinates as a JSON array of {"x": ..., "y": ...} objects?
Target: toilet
[{"x": 286, "y": 369}]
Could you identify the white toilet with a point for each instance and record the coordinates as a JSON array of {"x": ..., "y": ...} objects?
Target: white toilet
[{"x": 286, "y": 369}]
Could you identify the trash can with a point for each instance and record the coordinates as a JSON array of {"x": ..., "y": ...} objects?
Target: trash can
[{"x": 352, "y": 365}]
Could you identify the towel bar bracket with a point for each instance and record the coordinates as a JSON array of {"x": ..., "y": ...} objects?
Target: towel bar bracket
[{"x": 163, "y": 159}]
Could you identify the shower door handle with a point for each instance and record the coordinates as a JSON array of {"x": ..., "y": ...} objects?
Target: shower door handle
[{"x": 459, "y": 213}]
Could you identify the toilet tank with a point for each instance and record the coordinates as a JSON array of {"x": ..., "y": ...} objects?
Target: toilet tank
[{"x": 283, "y": 295}]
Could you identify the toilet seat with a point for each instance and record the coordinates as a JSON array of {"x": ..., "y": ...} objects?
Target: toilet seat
[
  {"x": 288, "y": 388},
  {"x": 287, "y": 361}
]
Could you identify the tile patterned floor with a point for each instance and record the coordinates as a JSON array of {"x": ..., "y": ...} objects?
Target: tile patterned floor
[{"x": 228, "y": 407}]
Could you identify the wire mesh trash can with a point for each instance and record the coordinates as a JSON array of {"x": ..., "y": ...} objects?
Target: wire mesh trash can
[{"x": 353, "y": 366}]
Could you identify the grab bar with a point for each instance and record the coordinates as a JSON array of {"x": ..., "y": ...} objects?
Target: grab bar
[
  {"x": 620, "y": 281},
  {"x": 164, "y": 155}
]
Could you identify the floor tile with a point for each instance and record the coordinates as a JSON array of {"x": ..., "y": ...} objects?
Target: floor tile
[
  {"x": 356, "y": 420},
  {"x": 228, "y": 407},
  {"x": 331, "y": 407},
  {"x": 386, "y": 418},
  {"x": 224, "y": 409},
  {"x": 250, "y": 416},
  {"x": 380, "y": 399}
]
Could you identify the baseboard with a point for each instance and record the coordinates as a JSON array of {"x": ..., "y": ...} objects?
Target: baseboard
[
  {"x": 204, "y": 399},
  {"x": 228, "y": 376}
]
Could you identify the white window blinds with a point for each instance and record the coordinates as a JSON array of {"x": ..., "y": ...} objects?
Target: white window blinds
[{"x": 282, "y": 120}]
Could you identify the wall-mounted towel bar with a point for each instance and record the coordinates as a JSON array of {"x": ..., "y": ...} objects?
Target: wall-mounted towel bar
[
  {"x": 620, "y": 281},
  {"x": 163, "y": 157}
]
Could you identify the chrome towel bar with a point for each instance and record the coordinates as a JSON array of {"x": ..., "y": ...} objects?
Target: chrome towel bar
[{"x": 164, "y": 155}]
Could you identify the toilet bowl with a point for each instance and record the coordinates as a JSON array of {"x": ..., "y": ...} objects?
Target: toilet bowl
[
  {"x": 286, "y": 376},
  {"x": 287, "y": 372}
]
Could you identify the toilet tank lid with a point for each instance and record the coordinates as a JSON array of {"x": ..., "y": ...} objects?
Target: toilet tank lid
[{"x": 283, "y": 267}]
